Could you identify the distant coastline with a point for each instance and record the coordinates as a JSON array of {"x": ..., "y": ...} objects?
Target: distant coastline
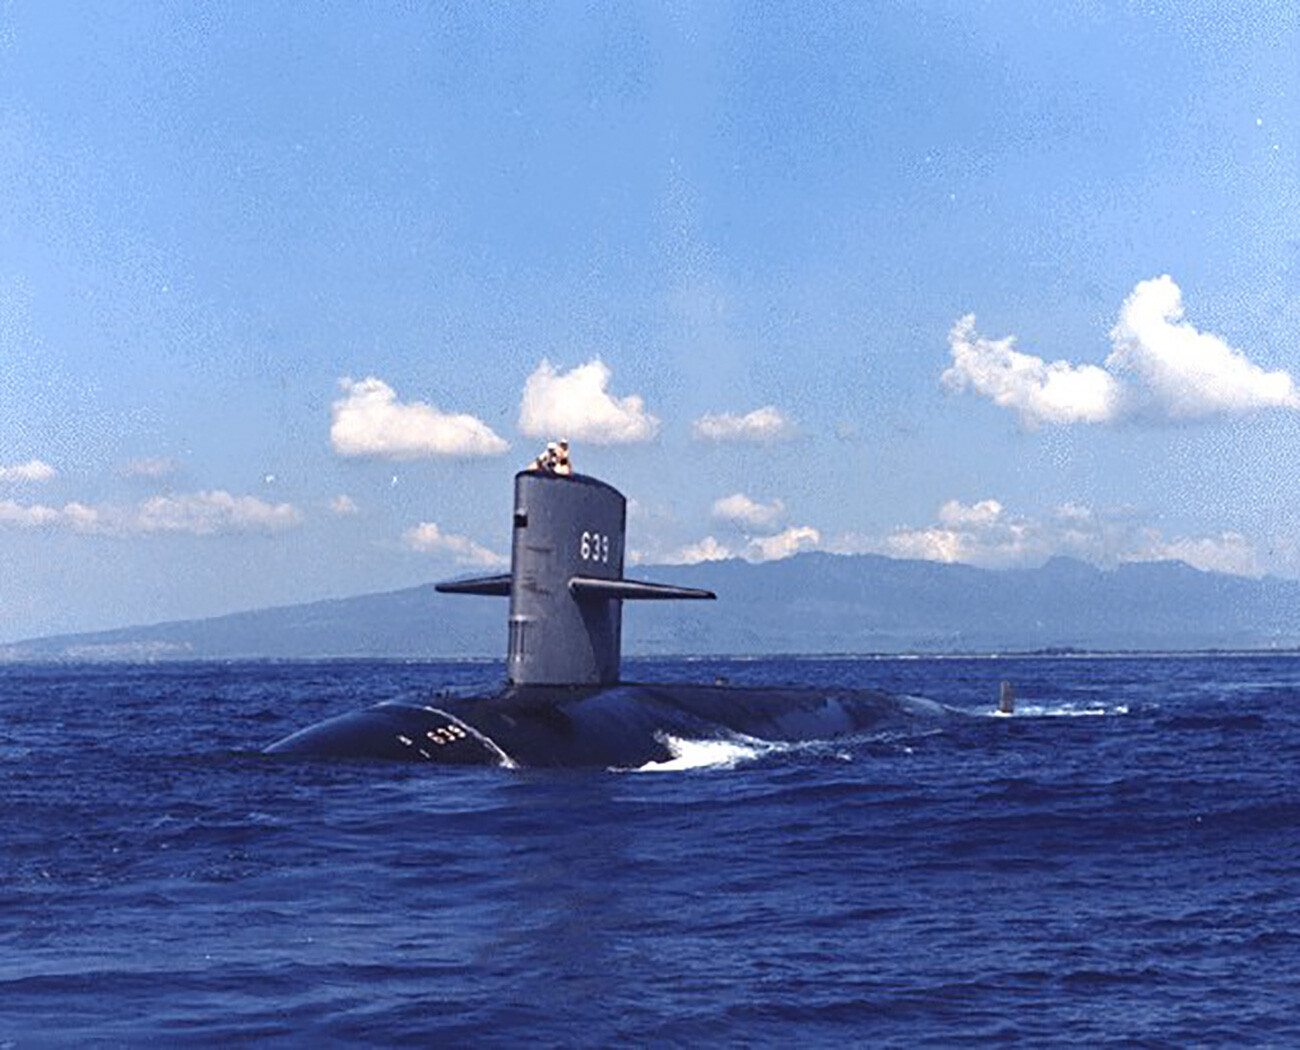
[{"x": 810, "y": 605}]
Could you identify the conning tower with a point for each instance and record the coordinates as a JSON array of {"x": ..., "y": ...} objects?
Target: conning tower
[{"x": 566, "y": 585}]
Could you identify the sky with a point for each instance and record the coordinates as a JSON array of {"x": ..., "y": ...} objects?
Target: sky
[{"x": 288, "y": 292}]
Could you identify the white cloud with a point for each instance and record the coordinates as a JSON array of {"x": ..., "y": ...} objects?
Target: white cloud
[
  {"x": 430, "y": 539},
  {"x": 150, "y": 467},
  {"x": 760, "y": 548},
  {"x": 1042, "y": 393},
  {"x": 1160, "y": 366},
  {"x": 741, "y": 510},
  {"x": 984, "y": 534},
  {"x": 577, "y": 405},
  {"x": 708, "y": 549},
  {"x": 1228, "y": 552},
  {"x": 793, "y": 540},
  {"x": 198, "y": 514},
  {"x": 32, "y": 470},
  {"x": 343, "y": 504},
  {"x": 979, "y": 533},
  {"x": 370, "y": 421},
  {"x": 28, "y": 516},
  {"x": 986, "y": 511},
  {"x": 761, "y": 426},
  {"x": 933, "y": 544},
  {"x": 208, "y": 513},
  {"x": 1184, "y": 372}
]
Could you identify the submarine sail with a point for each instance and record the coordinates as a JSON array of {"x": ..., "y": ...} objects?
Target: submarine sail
[{"x": 566, "y": 585}]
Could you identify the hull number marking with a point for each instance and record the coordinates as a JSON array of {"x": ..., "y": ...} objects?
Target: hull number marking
[
  {"x": 447, "y": 734},
  {"x": 594, "y": 546}
]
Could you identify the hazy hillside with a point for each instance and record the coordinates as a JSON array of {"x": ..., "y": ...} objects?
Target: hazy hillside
[{"x": 806, "y": 604}]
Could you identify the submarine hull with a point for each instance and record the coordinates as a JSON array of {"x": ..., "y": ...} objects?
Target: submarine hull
[
  {"x": 622, "y": 726},
  {"x": 564, "y": 703}
]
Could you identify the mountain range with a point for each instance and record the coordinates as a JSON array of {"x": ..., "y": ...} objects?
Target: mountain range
[{"x": 810, "y": 603}]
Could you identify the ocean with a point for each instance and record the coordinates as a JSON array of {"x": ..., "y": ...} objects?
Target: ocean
[{"x": 1117, "y": 863}]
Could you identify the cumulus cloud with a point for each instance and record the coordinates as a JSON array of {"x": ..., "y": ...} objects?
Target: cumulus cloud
[
  {"x": 578, "y": 405},
  {"x": 208, "y": 513},
  {"x": 760, "y": 426},
  {"x": 1184, "y": 372},
  {"x": 985, "y": 534},
  {"x": 790, "y": 541},
  {"x": 430, "y": 539},
  {"x": 30, "y": 515},
  {"x": 932, "y": 544},
  {"x": 342, "y": 505},
  {"x": 1041, "y": 393},
  {"x": 760, "y": 548},
  {"x": 740, "y": 510},
  {"x": 32, "y": 470},
  {"x": 198, "y": 514},
  {"x": 985, "y": 512},
  {"x": 708, "y": 549},
  {"x": 980, "y": 533},
  {"x": 370, "y": 421},
  {"x": 1227, "y": 552},
  {"x": 977, "y": 534},
  {"x": 1160, "y": 366}
]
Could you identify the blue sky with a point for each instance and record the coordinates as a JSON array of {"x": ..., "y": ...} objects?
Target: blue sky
[{"x": 288, "y": 292}]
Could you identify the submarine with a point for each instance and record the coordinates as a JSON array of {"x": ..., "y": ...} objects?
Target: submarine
[{"x": 563, "y": 703}]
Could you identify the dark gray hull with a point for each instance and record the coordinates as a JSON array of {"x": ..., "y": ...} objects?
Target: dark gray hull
[
  {"x": 623, "y": 726},
  {"x": 564, "y": 704}
]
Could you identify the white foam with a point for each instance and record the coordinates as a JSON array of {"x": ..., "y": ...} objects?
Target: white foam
[
  {"x": 1062, "y": 711},
  {"x": 922, "y": 705},
  {"x": 724, "y": 752},
  {"x": 705, "y": 754}
]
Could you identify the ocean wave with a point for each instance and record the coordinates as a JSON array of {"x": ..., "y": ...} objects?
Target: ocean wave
[
  {"x": 725, "y": 752},
  {"x": 1066, "y": 710}
]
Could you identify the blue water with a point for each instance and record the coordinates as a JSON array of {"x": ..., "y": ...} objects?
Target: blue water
[{"x": 1117, "y": 862}]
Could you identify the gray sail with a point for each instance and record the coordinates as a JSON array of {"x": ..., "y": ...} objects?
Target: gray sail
[{"x": 566, "y": 584}]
